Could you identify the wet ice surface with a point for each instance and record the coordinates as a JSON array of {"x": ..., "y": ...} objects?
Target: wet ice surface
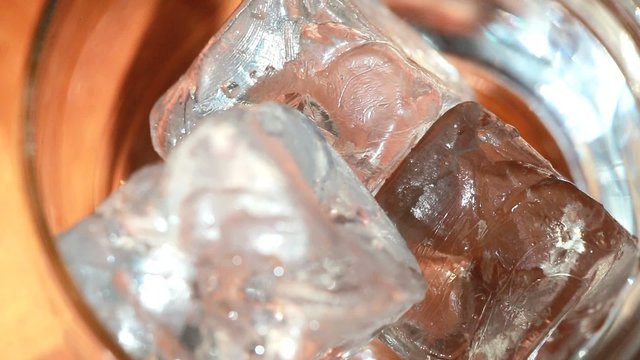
[
  {"x": 369, "y": 81},
  {"x": 253, "y": 240},
  {"x": 375, "y": 350},
  {"x": 510, "y": 249}
]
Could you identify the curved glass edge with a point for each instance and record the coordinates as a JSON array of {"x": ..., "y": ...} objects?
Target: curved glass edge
[
  {"x": 30, "y": 172},
  {"x": 616, "y": 24},
  {"x": 606, "y": 20}
]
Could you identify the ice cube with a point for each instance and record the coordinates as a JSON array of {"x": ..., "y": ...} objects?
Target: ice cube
[
  {"x": 370, "y": 82},
  {"x": 375, "y": 350},
  {"x": 519, "y": 261},
  {"x": 253, "y": 240}
]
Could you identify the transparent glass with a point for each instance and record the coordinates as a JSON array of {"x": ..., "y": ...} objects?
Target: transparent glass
[
  {"x": 567, "y": 73},
  {"x": 96, "y": 70}
]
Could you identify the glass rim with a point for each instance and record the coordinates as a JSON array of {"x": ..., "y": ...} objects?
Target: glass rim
[{"x": 45, "y": 235}]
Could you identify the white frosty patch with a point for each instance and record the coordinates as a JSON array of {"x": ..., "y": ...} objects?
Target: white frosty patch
[
  {"x": 424, "y": 207},
  {"x": 482, "y": 229},
  {"x": 569, "y": 243}
]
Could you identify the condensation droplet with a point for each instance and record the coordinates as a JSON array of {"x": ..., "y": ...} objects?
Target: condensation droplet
[{"x": 278, "y": 271}]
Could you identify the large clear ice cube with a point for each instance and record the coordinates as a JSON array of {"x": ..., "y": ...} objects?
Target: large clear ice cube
[
  {"x": 370, "y": 82},
  {"x": 519, "y": 261},
  {"x": 253, "y": 240}
]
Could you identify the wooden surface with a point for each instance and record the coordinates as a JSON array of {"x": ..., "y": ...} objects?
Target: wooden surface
[{"x": 30, "y": 325}]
